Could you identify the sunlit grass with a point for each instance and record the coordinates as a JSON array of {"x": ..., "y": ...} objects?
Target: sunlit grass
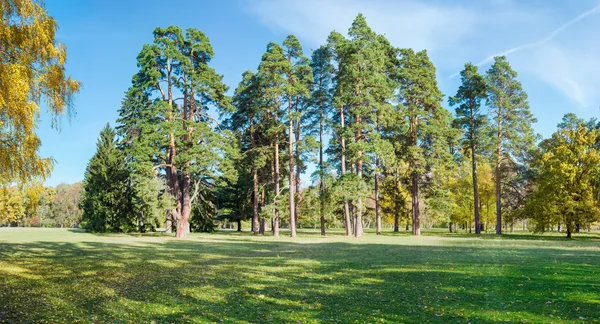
[{"x": 53, "y": 275}]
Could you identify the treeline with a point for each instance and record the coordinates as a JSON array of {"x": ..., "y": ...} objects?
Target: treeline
[
  {"x": 40, "y": 206},
  {"x": 368, "y": 115}
]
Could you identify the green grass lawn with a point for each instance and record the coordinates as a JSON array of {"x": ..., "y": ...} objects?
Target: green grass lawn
[{"x": 54, "y": 275}]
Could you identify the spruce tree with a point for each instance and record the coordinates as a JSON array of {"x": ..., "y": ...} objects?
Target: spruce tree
[
  {"x": 473, "y": 122},
  {"x": 511, "y": 122},
  {"x": 106, "y": 200}
]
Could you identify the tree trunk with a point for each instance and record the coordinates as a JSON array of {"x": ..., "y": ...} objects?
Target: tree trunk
[
  {"x": 141, "y": 228},
  {"x": 276, "y": 226},
  {"x": 498, "y": 192},
  {"x": 261, "y": 229},
  {"x": 569, "y": 230},
  {"x": 321, "y": 185},
  {"x": 276, "y": 180},
  {"x": 169, "y": 223},
  {"x": 186, "y": 207},
  {"x": 358, "y": 228},
  {"x": 239, "y": 225},
  {"x": 343, "y": 162},
  {"x": 416, "y": 213},
  {"x": 254, "y": 201},
  {"x": 292, "y": 183},
  {"x": 396, "y": 211},
  {"x": 475, "y": 189},
  {"x": 377, "y": 202}
]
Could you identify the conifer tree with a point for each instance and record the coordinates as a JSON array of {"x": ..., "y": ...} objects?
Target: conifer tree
[
  {"x": 511, "y": 122},
  {"x": 363, "y": 87},
  {"x": 321, "y": 109},
  {"x": 298, "y": 76},
  {"x": 427, "y": 123},
  {"x": 472, "y": 122},
  {"x": 106, "y": 199},
  {"x": 271, "y": 73},
  {"x": 247, "y": 124},
  {"x": 175, "y": 74}
]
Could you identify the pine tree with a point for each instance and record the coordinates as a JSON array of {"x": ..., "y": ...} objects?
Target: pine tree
[
  {"x": 297, "y": 92},
  {"x": 106, "y": 199},
  {"x": 511, "y": 122},
  {"x": 175, "y": 74},
  {"x": 362, "y": 86},
  {"x": 472, "y": 122},
  {"x": 321, "y": 108},
  {"x": 246, "y": 123},
  {"x": 271, "y": 73},
  {"x": 427, "y": 123}
]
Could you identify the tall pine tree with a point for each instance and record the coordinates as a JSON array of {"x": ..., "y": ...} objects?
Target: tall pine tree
[
  {"x": 427, "y": 124},
  {"x": 473, "y": 122},
  {"x": 511, "y": 122}
]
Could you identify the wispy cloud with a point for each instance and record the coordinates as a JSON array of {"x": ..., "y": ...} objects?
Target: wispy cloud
[
  {"x": 552, "y": 35},
  {"x": 566, "y": 58},
  {"x": 545, "y": 40}
]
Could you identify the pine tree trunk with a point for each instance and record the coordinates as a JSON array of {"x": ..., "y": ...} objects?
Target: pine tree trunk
[
  {"x": 169, "y": 223},
  {"x": 275, "y": 222},
  {"x": 377, "y": 203},
  {"x": 416, "y": 216},
  {"x": 498, "y": 191},
  {"x": 396, "y": 211},
  {"x": 297, "y": 178},
  {"x": 292, "y": 183},
  {"x": 321, "y": 178},
  {"x": 254, "y": 201},
  {"x": 343, "y": 162},
  {"x": 358, "y": 228},
  {"x": 186, "y": 207},
  {"x": 475, "y": 190}
]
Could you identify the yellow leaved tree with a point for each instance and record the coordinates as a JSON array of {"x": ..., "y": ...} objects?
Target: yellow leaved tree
[{"x": 32, "y": 73}]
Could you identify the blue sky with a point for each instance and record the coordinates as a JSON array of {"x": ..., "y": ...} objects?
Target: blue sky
[{"x": 553, "y": 45}]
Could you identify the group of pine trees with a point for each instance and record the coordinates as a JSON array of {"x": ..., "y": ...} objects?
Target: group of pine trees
[{"x": 368, "y": 115}]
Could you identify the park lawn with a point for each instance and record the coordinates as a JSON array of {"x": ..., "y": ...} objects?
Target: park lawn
[{"x": 56, "y": 275}]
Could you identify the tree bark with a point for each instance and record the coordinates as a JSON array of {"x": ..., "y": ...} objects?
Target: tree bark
[
  {"x": 498, "y": 184},
  {"x": 183, "y": 224},
  {"x": 292, "y": 183},
  {"x": 377, "y": 202},
  {"x": 343, "y": 162},
  {"x": 358, "y": 228},
  {"x": 416, "y": 213},
  {"x": 321, "y": 184},
  {"x": 475, "y": 189},
  {"x": 396, "y": 210}
]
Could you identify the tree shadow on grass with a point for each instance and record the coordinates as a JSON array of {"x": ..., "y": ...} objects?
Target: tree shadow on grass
[{"x": 261, "y": 281}]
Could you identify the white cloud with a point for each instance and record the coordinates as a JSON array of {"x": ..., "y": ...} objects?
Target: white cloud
[{"x": 554, "y": 42}]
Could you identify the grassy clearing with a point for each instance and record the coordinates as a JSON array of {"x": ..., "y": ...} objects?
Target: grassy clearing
[{"x": 59, "y": 275}]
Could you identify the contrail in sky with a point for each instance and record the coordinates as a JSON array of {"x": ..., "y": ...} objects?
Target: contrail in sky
[{"x": 552, "y": 35}]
